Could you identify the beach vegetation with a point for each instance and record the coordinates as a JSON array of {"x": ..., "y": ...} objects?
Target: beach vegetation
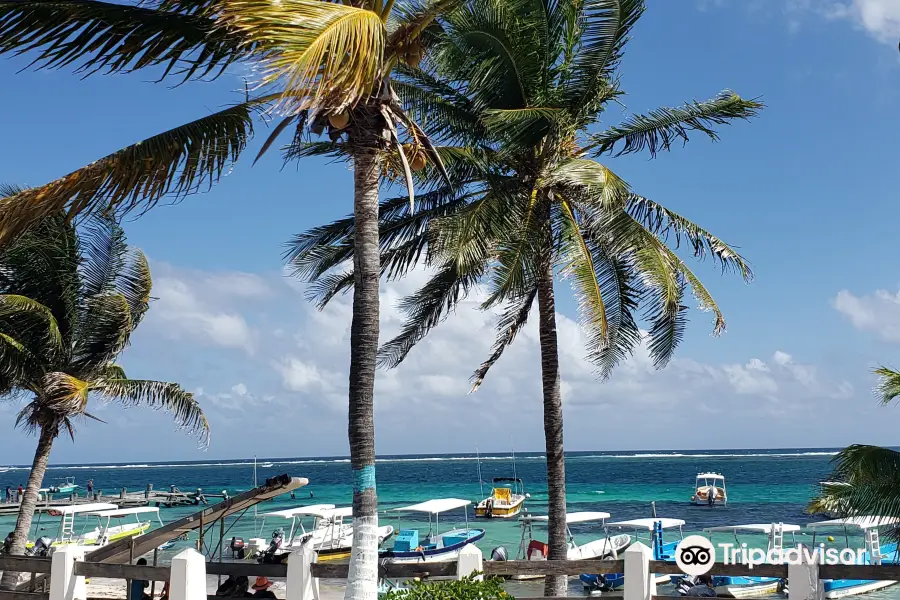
[{"x": 467, "y": 588}]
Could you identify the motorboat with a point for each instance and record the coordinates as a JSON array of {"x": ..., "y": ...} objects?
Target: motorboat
[
  {"x": 506, "y": 499},
  {"x": 111, "y": 523},
  {"x": 67, "y": 486},
  {"x": 532, "y": 549},
  {"x": 706, "y": 484},
  {"x": 328, "y": 533},
  {"x": 744, "y": 586},
  {"x": 662, "y": 550},
  {"x": 434, "y": 546},
  {"x": 875, "y": 552}
]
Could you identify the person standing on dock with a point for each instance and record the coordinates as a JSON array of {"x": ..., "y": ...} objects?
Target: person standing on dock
[
  {"x": 8, "y": 499},
  {"x": 21, "y": 491},
  {"x": 90, "y": 488}
]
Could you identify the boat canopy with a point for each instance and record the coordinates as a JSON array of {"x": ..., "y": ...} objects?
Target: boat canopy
[
  {"x": 73, "y": 509},
  {"x": 124, "y": 512},
  {"x": 436, "y": 506},
  {"x": 507, "y": 479},
  {"x": 342, "y": 512},
  {"x": 313, "y": 510},
  {"x": 711, "y": 476},
  {"x": 571, "y": 518},
  {"x": 861, "y": 522},
  {"x": 648, "y": 524},
  {"x": 755, "y": 527}
]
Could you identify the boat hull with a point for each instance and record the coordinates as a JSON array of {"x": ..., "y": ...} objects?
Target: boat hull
[
  {"x": 443, "y": 554},
  {"x": 595, "y": 550},
  {"x": 845, "y": 587},
  {"x": 745, "y": 587},
  {"x": 499, "y": 511}
]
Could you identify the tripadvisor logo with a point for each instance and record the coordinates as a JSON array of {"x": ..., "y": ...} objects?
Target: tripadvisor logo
[{"x": 695, "y": 555}]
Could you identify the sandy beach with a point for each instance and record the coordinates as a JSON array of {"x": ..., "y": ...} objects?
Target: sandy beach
[{"x": 99, "y": 587}]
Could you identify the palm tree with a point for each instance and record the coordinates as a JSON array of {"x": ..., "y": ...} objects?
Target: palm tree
[
  {"x": 324, "y": 66},
  {"x": 866, "y": 478},
  {"x": 68, "y": 307},
  {"x": 510, "y": 88}
]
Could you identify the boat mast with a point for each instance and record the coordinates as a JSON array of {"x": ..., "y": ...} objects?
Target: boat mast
[
  {"x": 254, "y": 486},
  {"x": 480, "y": 482},
  {"x": 515, "y": 475}
]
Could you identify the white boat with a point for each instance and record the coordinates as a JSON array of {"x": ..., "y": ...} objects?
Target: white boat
[
  {"x": 876, "y": 553},
  {"x": 706, "y": 484},
  {"x": 435, "y": 546},
  {"x": 505, "y": 501},
  {"x": 532, "y": 549},
  {"x": 68, "y": 532},
  {"x": 113, "y": 525},
  {"x": 662, "y": 550},
  {"x": 745, "y": 586},
  {"x": 329, "y": 535}
]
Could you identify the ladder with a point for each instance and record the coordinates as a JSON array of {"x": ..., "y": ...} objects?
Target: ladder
[
  {"x": 777, "y": 536},
  {"x": 67, "y": 528},
  {"x": 873, "y": 544}
]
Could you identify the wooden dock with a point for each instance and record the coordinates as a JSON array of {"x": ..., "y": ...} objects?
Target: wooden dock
[{"x": 124, "y": 499}]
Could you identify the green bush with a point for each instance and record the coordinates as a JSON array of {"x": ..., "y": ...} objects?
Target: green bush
[{"x": 464, "y": 589}]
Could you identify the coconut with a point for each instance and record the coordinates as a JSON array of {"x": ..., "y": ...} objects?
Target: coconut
[
  {"x": 418, "y": 161},
  {"x": 339, "y": 120}
]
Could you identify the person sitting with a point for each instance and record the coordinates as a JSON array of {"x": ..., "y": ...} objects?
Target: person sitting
[
  {"x": 703, "y": 588},
  {"x": 138, "y": 586},
  {"x": 261, "y": 588}
]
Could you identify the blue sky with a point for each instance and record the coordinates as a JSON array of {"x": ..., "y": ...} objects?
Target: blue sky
[{"x": 808, "y": 191}]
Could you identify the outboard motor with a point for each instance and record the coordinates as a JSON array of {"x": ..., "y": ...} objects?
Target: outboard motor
[
  {"x": 268, "y": 557},
  {"x": 41, "y": 547},
  {"x": 499, "y": 554},
  {"x": 237, "y": 547},
  {"x": 685, "y": 583},
  {"x": 593, "y": 584}
]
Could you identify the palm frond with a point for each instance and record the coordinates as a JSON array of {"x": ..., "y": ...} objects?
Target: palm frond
[
  {"x": 34, "y": 317},
  {"x": 608, "y": 189},
  {"x": 664, "y": 293},
  {"x": 320, "y": 54},
  {"x": 177, "y": 162},
  {"x": 62, "y": 396},
  {"x": 580, "y": 267},
  {"x": 511, "y": 321},
  {"x": 170, "y": 397},
  {"x": 104, "y": 250},
  {"x": 105, "y": 330},
  {"x": 134, "y": 283},
  {"x": 659, "y": 220},
  {"x": 888, "y": 384},
  {"x": 658, "y": 129},
  {"x": 872, "y": 478},
  {"x": 106, "y": 37}
]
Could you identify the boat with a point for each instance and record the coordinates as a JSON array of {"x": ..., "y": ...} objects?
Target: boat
[
  {"x": 662, "y": 550},
  {"x": 750, "y": 587},
  {"x": 111, "y": 525},
  {"x": 532, "y": 549},
  {"x": 435, "y": 546},
  {"x": 875, "y": 552},
  {"x": 329, "y": 535},
  {"x": 505, "y": 501},
  {"x": 67, "y": 487},
  {"x": 706, "y": 483}
]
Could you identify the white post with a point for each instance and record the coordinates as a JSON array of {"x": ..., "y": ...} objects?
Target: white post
[
  {"x": 803, "y": 582},
  {"x": 188, "y": 578},
  {"x": 64, "y": 585},
  {"x": 639, "y": 583},
  {"x": 469, "y": 562},
  {"x": 301, "y": 585}
]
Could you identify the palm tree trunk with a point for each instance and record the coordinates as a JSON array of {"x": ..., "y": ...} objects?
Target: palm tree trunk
[
  {"x": 29, "y": 503},
  {"x": 553, "y": 428},
  {"x": 362, "y": 581}
]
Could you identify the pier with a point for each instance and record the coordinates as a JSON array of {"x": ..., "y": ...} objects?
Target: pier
[{"x": 124, "y": 499}]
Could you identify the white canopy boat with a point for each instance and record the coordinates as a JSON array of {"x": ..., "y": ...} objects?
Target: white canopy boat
[
  {"x": 706, "y": 484},
  {"x": 66, "y": 533},
  {"x": 532, "y": 549},
  {"x": 329, "y": 535},
  {"x": 113, "y": 527},
  {"x": 654, "y": 527},
  {"x": 876, "y": 553},
  {"x": 435, "y": 546},
  {"x": 750, "y": 587}
]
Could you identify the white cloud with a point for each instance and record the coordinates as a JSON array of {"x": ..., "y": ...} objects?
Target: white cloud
[
  {"x": 879, "y": 312},
  {"x": 240, "y": 389},
  {"x": 879, "y": 18}
]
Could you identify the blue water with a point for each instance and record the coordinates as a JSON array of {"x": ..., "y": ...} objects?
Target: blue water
[{"x": 764, "y": 486}]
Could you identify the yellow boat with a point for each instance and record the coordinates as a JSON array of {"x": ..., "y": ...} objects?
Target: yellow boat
[
  {"x": 505, "y": 501},
  {"x": 111, "y": 525}
]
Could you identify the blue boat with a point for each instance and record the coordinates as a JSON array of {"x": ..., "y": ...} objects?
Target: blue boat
[
  {"x": 434, "y": 546},
  {"x": 662, "y": 550},
  {"x": 875, "y": 553},
  {"x": 740, "y": 586}
]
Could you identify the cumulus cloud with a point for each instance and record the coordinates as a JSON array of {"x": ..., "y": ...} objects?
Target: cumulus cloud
[
  {"x": 299, "y": 377},
  {"x": 878, "y": 312}
]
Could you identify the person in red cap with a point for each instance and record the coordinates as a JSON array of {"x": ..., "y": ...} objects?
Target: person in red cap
[{"x": 261, "y": 588}]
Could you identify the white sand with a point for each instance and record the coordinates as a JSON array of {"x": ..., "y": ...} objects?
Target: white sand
[{"x": 98, "y": 587}]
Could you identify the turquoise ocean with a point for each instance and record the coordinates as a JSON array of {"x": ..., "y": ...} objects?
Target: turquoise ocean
[{"x": 764, "y": 486}]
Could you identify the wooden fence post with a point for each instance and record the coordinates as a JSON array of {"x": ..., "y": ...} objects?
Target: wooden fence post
[
  {"x": 469, "y": 562},
  {"x": 639, "y": 583},
  {"x": 803, "y": 582},
  {"x": 301, "y": 585},
  {"x": 188, "y": 576},
  {"x": 64, "y": 584}
]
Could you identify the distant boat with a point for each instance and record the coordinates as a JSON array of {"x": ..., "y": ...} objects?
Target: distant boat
[
  {"x": 265, "y": 465},
  {"x": 709, "y": 483},
  {"x": 505, "y": 501},
  {"x": 67, "y": 487},
  {"x": 105, "y": 531}
]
